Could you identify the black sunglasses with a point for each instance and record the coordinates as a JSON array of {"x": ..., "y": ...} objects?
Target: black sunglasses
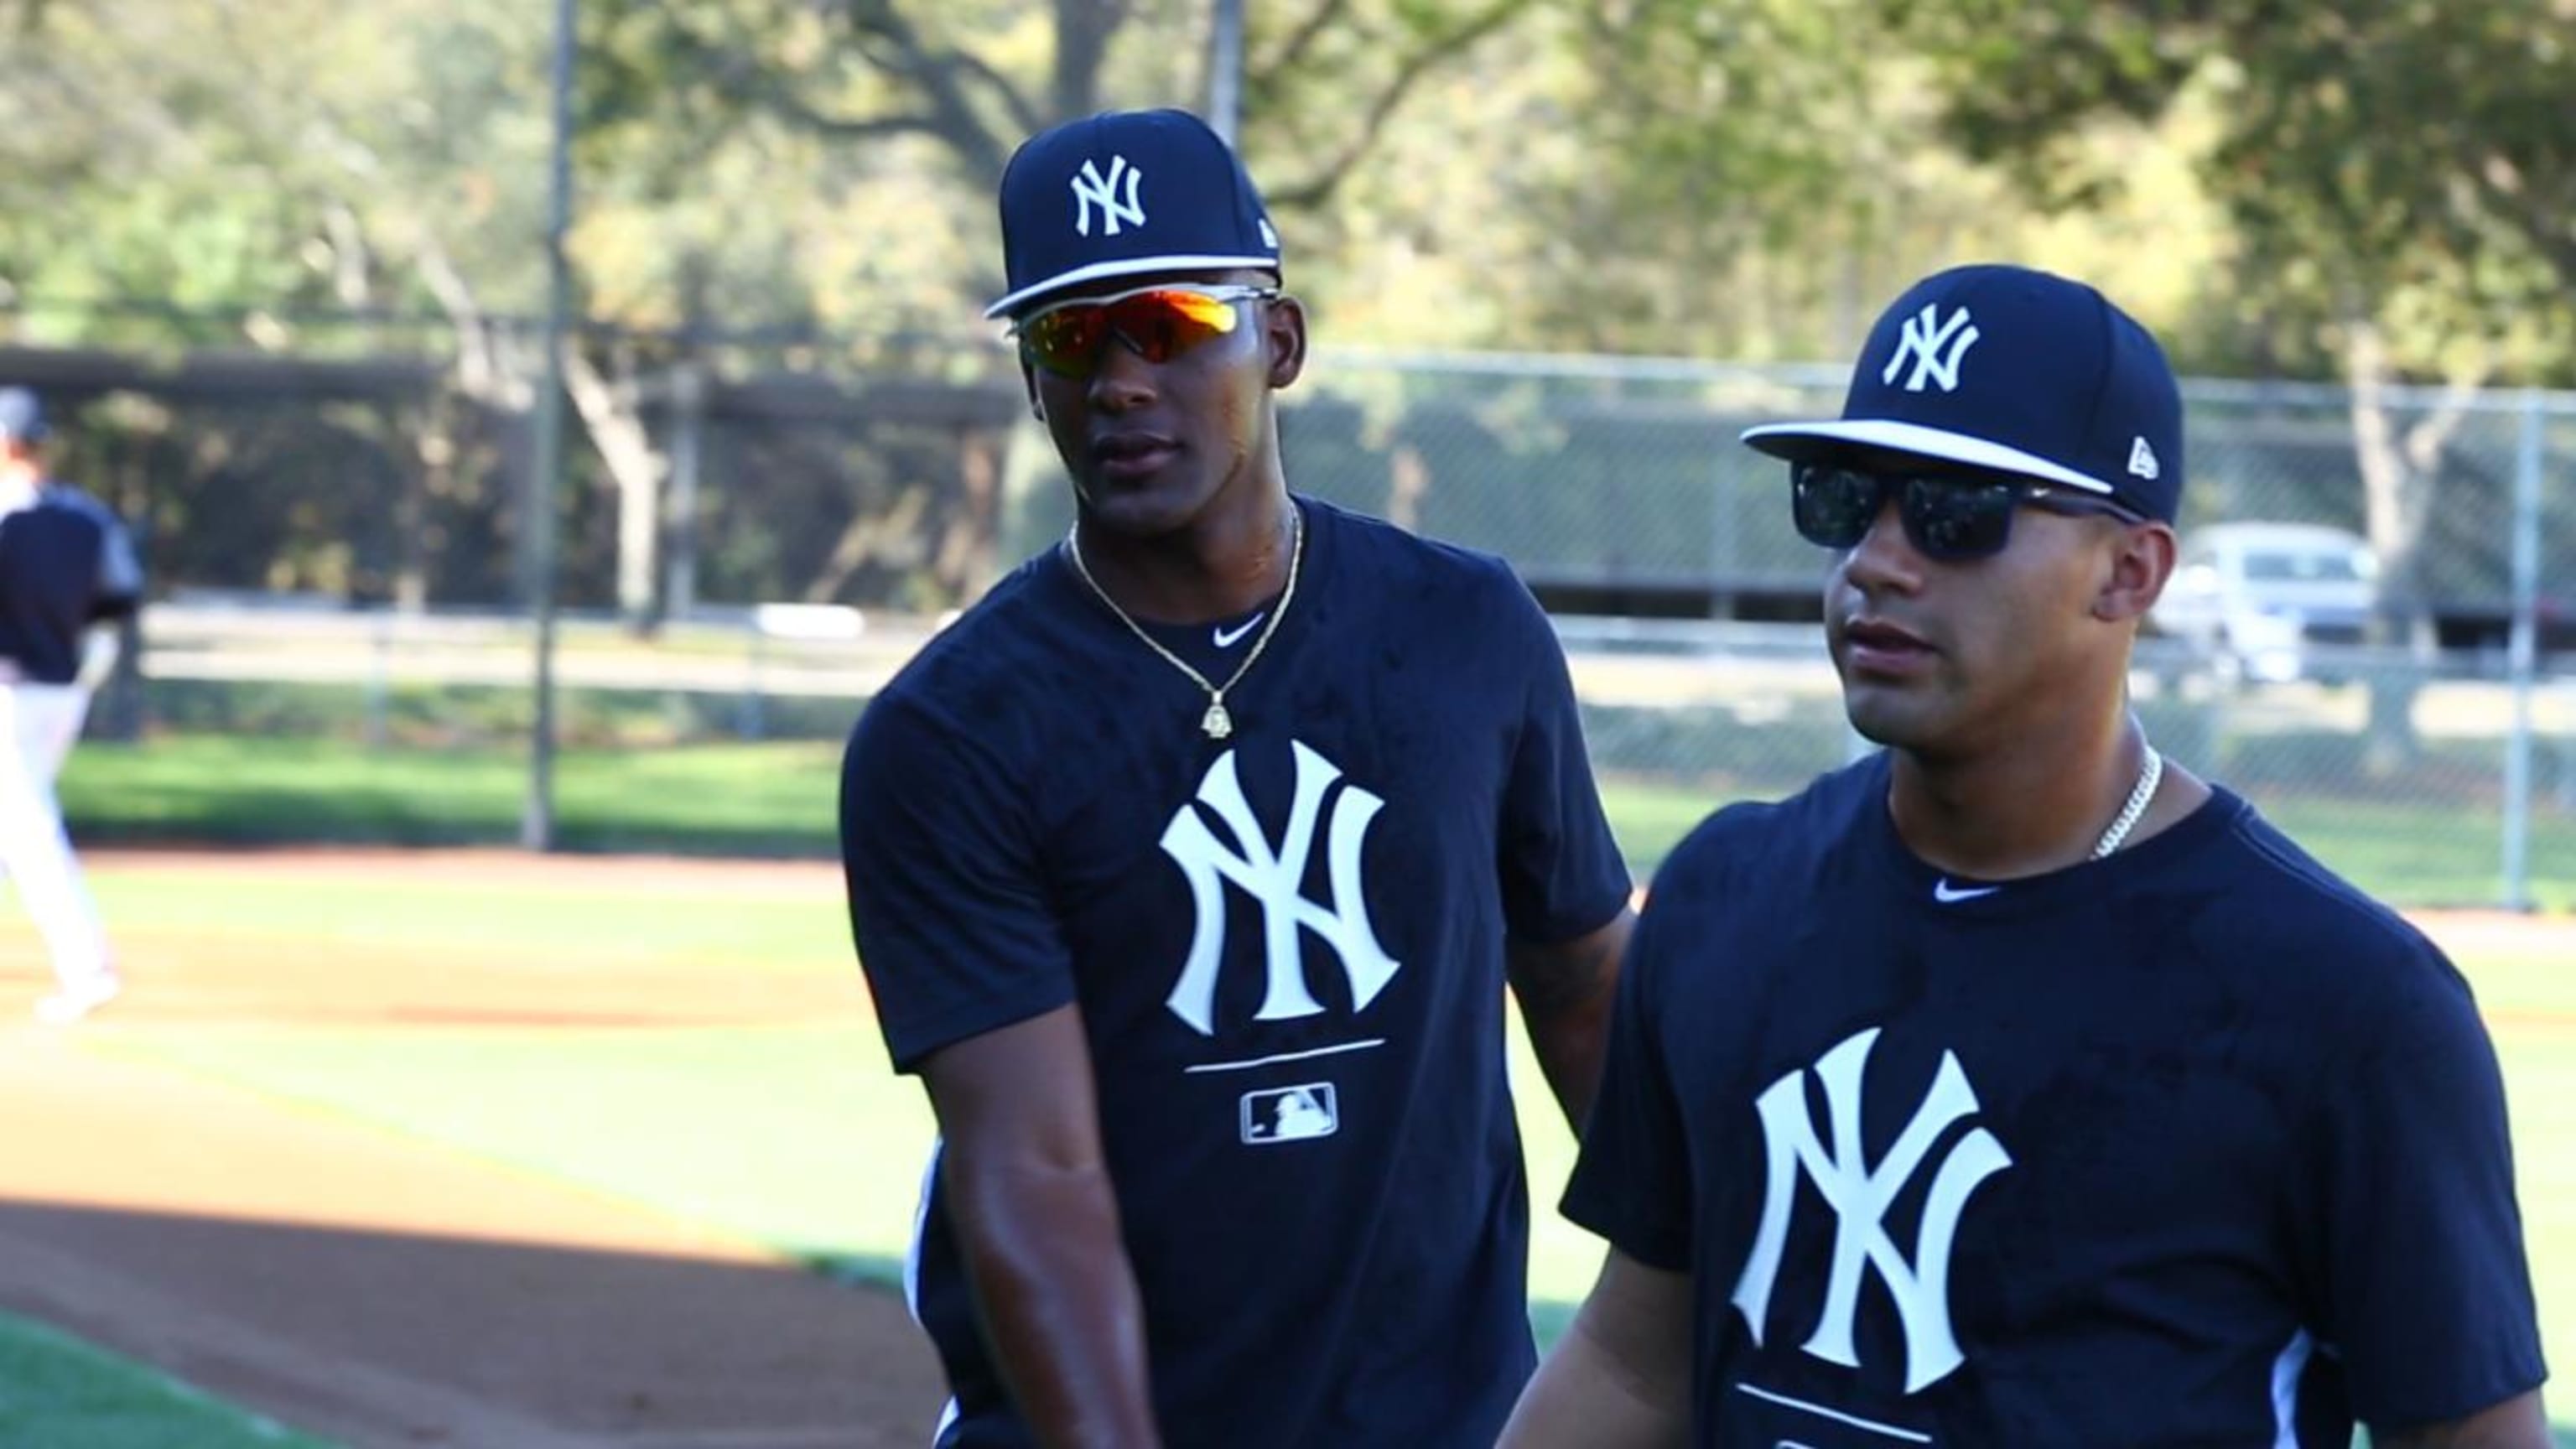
[
  {"x": 1160, "y": 322},
  {"x": 1947, "y": 517}
]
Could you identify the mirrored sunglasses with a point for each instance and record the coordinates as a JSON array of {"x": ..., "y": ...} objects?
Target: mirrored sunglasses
[
  {"x": 1160, "y": 323},
  {"x": 1946, "y": 517}
]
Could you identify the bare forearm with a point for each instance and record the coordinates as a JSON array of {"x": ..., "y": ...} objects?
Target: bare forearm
[
  {"x": 1565, "y": 992},
  {"x": 1589, "y": 1394},
  {"x": 1567, "y": 1037},
  {"x": 2517, "y": 1423},
  {"x": 1060, "y": 1306},
  {"x": 99, "y": 647}
]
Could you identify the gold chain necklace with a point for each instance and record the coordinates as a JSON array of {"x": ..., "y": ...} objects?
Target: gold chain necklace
[
  {"x": 2149, "y": 774},
  {"x": 1216, "y": 722}
]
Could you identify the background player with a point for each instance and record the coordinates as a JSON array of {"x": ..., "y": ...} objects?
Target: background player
[{"x": 67, "y": 572}]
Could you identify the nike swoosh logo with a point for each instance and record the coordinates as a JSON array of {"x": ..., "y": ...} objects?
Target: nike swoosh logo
[
  {"x": 1227, "y": 640},
  {"x": 1950, "y": 895}
]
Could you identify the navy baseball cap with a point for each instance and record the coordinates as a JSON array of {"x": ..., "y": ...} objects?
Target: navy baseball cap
[
  {"x": 22, "y": 417},
  {"x": 1126, "y": 193},
  {"x": 2016, "y": 371}
]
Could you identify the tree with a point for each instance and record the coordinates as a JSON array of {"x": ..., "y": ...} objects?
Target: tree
[
  {"x": 972, "y": 77},
  {"x": 2401, "y": 176}
]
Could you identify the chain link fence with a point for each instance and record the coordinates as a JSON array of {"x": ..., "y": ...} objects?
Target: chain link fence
[
  {"x": 2393, "y": 678},
  {"x": 333, "y": 551}
]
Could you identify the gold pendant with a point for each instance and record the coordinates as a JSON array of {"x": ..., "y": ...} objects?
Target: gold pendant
[{"x": 1216, "y": 721}]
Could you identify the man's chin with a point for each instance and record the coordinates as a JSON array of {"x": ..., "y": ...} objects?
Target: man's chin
[
  {"x": 1141, "y": 511},
  {"x": 1878, "y": 717}
]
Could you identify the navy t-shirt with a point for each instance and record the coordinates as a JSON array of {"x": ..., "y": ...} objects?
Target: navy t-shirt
[
  {"x": 1287, "y": 947},
  {"x": 2195, "y": 1145},
  {"x": 65, "y": 563}
]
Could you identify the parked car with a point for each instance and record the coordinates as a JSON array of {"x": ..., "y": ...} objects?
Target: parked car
[{"x": 2271, "y": 601}]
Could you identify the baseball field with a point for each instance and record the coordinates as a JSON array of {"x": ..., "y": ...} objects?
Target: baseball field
[{"x": 469, "y": 1147}]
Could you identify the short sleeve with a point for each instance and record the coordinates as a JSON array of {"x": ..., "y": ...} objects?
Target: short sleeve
[
  {"x": 120, "y": 573},
  {"x": 1632, "y": 1179},
  {"x": 2406, "y": 1221},
  {"x": 1562, "y": 874},
  {"x": 947, "y": 905}
]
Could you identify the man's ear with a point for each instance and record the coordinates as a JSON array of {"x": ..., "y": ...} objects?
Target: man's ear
[
  {"x": 2142, "y": 561},
  {"x": 1283, "y": 326},
  {"x": 1029, "y": 381}
]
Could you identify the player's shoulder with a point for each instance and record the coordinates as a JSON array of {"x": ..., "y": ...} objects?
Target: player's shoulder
[
  {"x": 79, "y": 502},
  {"x": 2295, "y": 921},
  {"x": 1788, "y": 836},
  {"x": 1405, "y": 562},
  {"x": 970, "y": 674}
]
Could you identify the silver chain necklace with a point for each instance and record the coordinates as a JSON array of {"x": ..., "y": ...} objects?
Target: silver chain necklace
[
  {"x": 1216, "y": 723},
  {"x": 2149, "y": 775}
]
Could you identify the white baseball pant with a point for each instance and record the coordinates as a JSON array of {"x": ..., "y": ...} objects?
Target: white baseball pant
[{"x": 42, "y": 721}]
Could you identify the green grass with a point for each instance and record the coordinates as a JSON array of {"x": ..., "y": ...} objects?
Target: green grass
[
  {"x": 58, "y": 1390},
  {"x": 797, "y": 1138},
  {"x": 738, "y": 799},
  {"x": 780, "y": 798},
  {"x": 596, "y": 927}
]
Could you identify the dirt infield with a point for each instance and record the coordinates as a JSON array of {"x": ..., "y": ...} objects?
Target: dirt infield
[{"x": 384, "y": 1291}]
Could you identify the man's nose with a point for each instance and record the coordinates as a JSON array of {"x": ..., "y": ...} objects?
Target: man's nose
[
  {"x": 1885, "y": 558},
  {"x": 1121, "y": 379}
]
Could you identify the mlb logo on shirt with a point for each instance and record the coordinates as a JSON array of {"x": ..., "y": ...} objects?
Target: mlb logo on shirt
[{"x": 1287, "y": 1114}]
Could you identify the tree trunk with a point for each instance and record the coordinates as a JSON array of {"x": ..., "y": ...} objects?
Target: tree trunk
[
  {"x": 609, "y": 410},
  {"x": 2394, "y": 498},
  {"x": 432, "y": 476},
  {"x": 964, "y": 563}
]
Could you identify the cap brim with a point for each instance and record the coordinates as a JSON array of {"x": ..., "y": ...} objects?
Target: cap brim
[
  {"x": 1816, "y": 442},
  {"x": 1126, "y": 267}
]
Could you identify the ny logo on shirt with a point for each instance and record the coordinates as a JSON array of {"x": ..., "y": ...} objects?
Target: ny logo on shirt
[
  {"x": 1274, "y": 876},
  {"x": 1860, "y": 1195}
]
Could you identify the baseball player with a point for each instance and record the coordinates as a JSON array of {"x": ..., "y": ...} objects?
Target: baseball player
[
  {"x": 2013, "y": 1086},
  {"x": 67, "y": 573},
  {"x": 1189, "y": 869}
]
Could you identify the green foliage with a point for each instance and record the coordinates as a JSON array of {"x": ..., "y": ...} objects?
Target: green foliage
[
  {"x": 2410, "y": 163},
  {"x": 1734, "y": 177}
]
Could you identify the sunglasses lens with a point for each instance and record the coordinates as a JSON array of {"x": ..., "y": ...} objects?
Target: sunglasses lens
[
  {"x": 1065, "y": 340},
  {"x": 1164, "y": 325},
  {"x": 1160, "y": 325},
  {"x": 1833, "y": 507},
  {"x": 1951, "y": 519}
]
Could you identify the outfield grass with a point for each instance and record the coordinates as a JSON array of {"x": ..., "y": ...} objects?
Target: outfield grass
[
  {"x": 598, "y": 930},
  {"x": 780, "y": 798},
  {"x": 800, "y": 1139},
  {"x": 56, "y": 1390}
]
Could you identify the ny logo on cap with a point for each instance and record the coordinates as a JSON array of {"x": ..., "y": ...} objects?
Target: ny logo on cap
[
  {"x": 1935, "y": 346},
  {"x": 1092, "y": 189}
]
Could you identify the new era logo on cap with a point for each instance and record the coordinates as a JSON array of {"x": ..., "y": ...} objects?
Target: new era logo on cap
[
  {"x": 1126, "y": 194},
  {"x": 2015, "y": 371}
]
